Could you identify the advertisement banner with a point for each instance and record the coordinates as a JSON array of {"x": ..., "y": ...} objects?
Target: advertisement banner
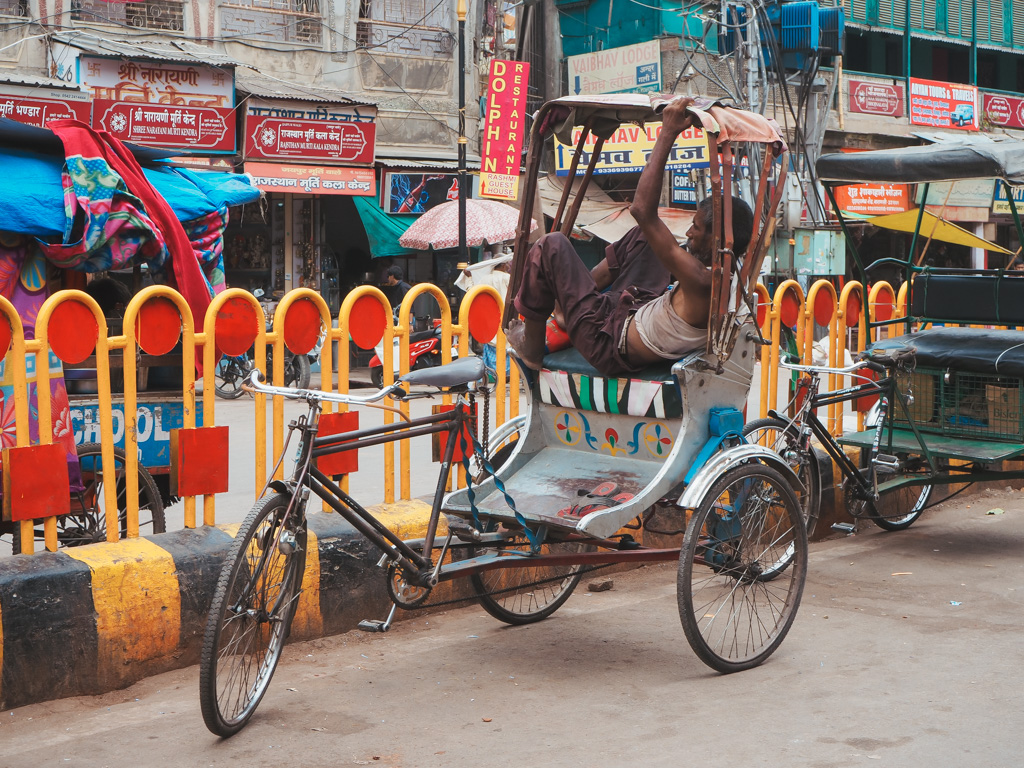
[
  {"x": 183, "y": 85},
  {"x": 876, "y": 98},
  {"x": 628, "y": 149},
  {"x": 684, "y": 194},
  {"x": 324, "y": 180},
  {"x": 317, "y": 140},
  {"x": 1004, "y": 111},
  {"x": 873, "y": 199},
  {"x": 419, "y": 192},
  {"x": 943, "y": 105},
  {"x": 37, "y": 106},
  {"x": 1001, "y": 204},
  {"x": 207, "y": 128},
  {"x": 630, "y": 69},
  {"x": 504, "y": 129}
]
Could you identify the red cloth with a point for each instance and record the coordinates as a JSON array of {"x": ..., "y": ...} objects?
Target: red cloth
[{"x": 186, "y": 274}]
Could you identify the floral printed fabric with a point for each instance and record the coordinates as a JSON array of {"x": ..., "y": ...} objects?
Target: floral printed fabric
[{"x": 23, "y": 283}]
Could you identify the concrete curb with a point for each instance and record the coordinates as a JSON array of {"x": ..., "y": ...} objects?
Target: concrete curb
[{"x": 94, "y": 619}]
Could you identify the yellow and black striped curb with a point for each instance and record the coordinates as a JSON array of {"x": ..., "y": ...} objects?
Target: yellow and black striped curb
[{"x": 94, "y": 619}]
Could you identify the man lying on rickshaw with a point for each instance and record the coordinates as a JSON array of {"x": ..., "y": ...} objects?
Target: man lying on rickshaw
[{"x": 619, "y": 315}]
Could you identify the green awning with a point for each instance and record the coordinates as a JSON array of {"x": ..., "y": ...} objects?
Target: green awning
[{"x": 382, "y": 229}]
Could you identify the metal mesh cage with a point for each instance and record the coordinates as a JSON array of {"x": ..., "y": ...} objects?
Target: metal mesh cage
[{"x": 966, "y": 404}]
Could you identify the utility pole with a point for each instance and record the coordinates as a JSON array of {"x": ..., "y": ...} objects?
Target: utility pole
[{"x": 463, "y": 251}]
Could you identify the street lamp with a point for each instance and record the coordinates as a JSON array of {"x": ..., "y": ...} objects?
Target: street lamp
[{"x": 462, "y": 11}]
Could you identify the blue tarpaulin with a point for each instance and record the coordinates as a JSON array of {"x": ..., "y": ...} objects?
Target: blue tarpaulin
[{"x": 32, "y": 195}]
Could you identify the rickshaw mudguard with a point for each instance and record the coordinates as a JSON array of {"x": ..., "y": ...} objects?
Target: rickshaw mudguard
[
  {"x": 569, "y": 449},
  {"x": 722, "y": 462}
]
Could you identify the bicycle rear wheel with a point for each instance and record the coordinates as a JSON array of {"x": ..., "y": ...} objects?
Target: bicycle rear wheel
[
  {"x": 251, "y": 614},
  {"x": 783, "y": 437},
  {"x": 528, "y": 594},
  {"x": 742, "y": 568}
]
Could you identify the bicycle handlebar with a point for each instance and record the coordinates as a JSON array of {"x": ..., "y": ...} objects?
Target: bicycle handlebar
[
  {"x": 256, "y": 384},
  {"x": 878, "y": 363}
]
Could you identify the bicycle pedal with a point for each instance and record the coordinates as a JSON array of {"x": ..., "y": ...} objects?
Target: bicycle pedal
[
  {"x": 846, "y": 528},
  {"x": 886, "y": 463},
  {"x": 373, "y": 625}
]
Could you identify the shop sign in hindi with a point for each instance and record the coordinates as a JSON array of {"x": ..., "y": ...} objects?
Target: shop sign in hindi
[
  {"x": 1004, "y": 111},
  {"x": 504, "y": 129},
  {"x": 873, "y": 199},
  {"x": 38, "y": 106},
  {"x": 317, "y": 140},
  {"x": 943, "y": 105},
  {"x": 876, "y": 98},
  {"x": 191, "y": 85},
  {"x": 207, "y": 128},
  {"x": 1001, "y": 204},
  {"x": 326, "y": 180},
  {"x": 629, "y": 148},
  {"x": 629, "y": 69}
]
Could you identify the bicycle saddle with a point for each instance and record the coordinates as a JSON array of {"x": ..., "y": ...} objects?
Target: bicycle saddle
[{"x": 452, "y": 375}]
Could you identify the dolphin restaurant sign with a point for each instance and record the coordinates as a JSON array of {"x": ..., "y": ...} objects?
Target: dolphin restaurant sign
[
  {"x": 504, "y": 129},
  {"x": 629, "y": 148},
  {"x": 336, "y": 134}
]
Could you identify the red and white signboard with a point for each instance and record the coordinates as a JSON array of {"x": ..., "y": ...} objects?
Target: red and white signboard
[
  {"x": 876, "y": 98},
  {"x": 318, "y": 140},
  {"x": 504, "y": 129},
  {"x": 1005, "y": 111},
  {"x": 944, "y": 105},
  {"x": 162, "y": 125},
  {"x": 327, "y": 180},
  {"x": 191, "y": 85},
  {"x": 37, "y": 106}
]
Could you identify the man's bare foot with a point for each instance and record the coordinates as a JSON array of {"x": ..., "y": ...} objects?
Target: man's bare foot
[{"x": 525, "y": 348}]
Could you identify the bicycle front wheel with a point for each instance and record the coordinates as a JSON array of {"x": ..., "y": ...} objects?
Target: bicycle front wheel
[
  {"x": 251, "y": 614},
  {"x": 742, "y": 568}
]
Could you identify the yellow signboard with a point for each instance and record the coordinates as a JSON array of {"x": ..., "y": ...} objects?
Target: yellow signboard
[{"x": 629, "y": 148}]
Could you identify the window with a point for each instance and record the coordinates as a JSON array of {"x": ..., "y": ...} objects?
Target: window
[
  {"x": 406, "y": 26},
  {"x": 286, "y": 21},
  {"x": 167, "y": 15},
  {"x": 13, "y": 7}
]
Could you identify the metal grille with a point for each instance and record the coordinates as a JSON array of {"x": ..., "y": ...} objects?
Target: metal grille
[
  {"x": 964, "y": 404},
  {"x": 13, "y": 7},
  {"x": 156, "y": 14},
  {"x": 291, "y": 21}
]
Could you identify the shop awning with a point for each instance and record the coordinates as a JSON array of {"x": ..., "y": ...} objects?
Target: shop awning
[
  {"x": 934, "y": 227},
  {"x": 382, "y": 229},
  {"x": 601, "y": 216}
]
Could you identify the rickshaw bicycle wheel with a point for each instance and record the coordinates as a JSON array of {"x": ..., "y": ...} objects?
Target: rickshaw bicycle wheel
[
  {"x": 251, "y": 614},
  {"x": 528, "y": 594},
  {"x": 86, "y": 522},
  {"x": 900, "y": 508},
  {"x": 783, "y": 437},
  {"x": 742, "y": 568}
]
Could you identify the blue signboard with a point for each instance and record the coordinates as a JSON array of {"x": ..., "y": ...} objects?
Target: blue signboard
[
  {"x": 683, "y": 191},
  {"x": 154, "y": 424}
]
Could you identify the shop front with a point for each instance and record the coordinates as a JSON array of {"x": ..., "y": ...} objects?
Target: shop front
[{"x": 312, "y": 159}]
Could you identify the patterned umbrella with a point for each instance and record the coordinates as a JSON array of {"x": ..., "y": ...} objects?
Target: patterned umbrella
[{"x": 438, "y": 228}]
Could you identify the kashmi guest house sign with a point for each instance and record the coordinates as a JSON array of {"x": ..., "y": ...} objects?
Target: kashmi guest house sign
[{"x": 504, "y": 129}]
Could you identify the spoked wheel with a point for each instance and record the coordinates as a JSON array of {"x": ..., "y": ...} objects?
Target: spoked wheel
[
  {"x": 251, "y": 614},
  {"x": 899, "y": 509},
  {"x": 784, "y": 438},
  {"x": 524, "y": 595},
  {"x": 742, "y": 568},
  {"x": 86, "y": 523},
  {"x": 230, "y": 375}
]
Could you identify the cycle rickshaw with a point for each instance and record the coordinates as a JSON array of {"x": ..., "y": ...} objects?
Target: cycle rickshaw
[
  {"x": 949, "y": 399},
  {"x": 592, "y": 458}
]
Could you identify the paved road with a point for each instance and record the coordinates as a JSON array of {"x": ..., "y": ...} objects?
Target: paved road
[{"x": 906, "y": 652}]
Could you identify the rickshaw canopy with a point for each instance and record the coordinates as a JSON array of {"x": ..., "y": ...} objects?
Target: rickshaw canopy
[{"x": 996, "y": 158}]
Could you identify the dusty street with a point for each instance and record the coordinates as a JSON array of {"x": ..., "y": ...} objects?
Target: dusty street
[{"x": 906, "y": 652}]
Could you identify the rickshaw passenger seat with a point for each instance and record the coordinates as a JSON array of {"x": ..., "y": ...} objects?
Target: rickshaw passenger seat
[
  {"x": 969, "y": 350},
  {"x": 568, "y": 380}
]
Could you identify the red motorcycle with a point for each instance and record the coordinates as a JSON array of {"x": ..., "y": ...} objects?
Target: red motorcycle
[{"x": 424, "y": 352}]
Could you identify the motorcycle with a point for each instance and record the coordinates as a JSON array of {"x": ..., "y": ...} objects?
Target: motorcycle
[
  {"x": 233, "y": 371},
  {"x": 424, "y": 352}
]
